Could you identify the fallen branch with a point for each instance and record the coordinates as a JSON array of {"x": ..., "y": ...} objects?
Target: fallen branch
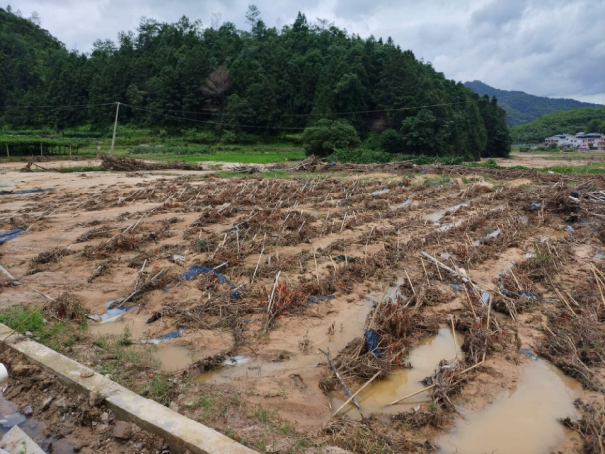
[{"x": 342, "y": 382}]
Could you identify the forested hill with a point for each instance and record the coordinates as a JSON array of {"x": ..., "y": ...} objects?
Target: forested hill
[
  {"x": 253, "y": 83},
  {"x": 522, "y": 108},
  {"x": 586, "y": 119}
]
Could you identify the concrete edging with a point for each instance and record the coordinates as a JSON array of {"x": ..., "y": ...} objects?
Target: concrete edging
[{"x": 179, "y": 431}]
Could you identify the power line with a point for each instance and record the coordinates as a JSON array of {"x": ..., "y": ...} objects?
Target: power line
[
  {"x": 61, "y": 107},
  {"x": 215, "y": 123},
  {"x": 213, "y": 112}
]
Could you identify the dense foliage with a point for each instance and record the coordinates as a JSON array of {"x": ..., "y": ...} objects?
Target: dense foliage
[
  {"x": 522, "y": 108},
  {"x": 586, "y": 119},
  {"x": 245, "y": 85}
]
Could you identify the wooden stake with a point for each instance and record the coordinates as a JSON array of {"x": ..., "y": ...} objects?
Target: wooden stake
[
  {"x": 410, "y": 281},
  {"x": 357, "y": 392},
  {"x": 377, "y": 307},
  {"x": 271, "y": 302},
  {"x": 342, "y": 382},
  {"x": 431, "y": 387},
  {"x": 316, "y": 268},
  {"x": 257, "y": 264},
  {"x": 454, "y": 336},
  {"x": 425, "y": 272}
]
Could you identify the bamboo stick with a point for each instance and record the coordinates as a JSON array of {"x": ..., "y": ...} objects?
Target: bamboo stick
[
  {"x": 357, "y": 392},
  {"x": 431, "y": 387}
]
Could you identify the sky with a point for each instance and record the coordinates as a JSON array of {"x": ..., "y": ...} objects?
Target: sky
[{"x": 553, "y": 48}]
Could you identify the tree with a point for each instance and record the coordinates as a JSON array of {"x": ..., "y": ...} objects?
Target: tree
[
  {"x": 216, "y": 88},
  {"x": 252, "y": 15},
  {"x": 391, "y": 142},
  {"x": 596, "y": 125},
  {"x": 326, "y": 136},
  {"x": 35, "y": 19},
  {"x": 215, "y": 22},
  {"x": 420, "y": 132},
  {"x": 9, "y": 9}
]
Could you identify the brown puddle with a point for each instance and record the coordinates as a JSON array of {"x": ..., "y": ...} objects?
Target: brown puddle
[
  {"x": 174, "y": 357},
  {"x": 348, "y": 325},
  {"x": 116, "y": 328},
  {"x": 525, "y": 421},
  {"x": 424, "y": 360}
]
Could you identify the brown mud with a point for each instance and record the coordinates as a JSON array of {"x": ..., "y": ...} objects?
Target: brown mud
[{"x": 294, "y": 267}]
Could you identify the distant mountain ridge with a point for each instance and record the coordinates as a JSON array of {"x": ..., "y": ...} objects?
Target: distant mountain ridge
[{"x": 522, "y": 108}]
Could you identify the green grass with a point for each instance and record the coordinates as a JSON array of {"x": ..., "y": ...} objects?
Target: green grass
[
  {"x": 254, "y": 157},
  {"x": 59, "y": 336},
  {"x": 592, "y": 170}
]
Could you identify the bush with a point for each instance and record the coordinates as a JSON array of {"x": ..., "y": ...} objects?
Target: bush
[
  {"x": 247, "y": 138},
  {"x": 524, "y": 149},
  {"x": 293, "y": 138},
  {"x": 425, "y": 160},
  {"x": 327, "y": 136},
  {"x": 200, "y": 137},
  {"x": 177, "y": 150},
  {"x": 390, "y": 141},
  {"x": 229, "y": 137},
  {"x": 360, "y": 156}
]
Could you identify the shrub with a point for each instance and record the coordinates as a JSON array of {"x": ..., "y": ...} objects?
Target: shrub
[
  {"x": 174, "y": 150},
  {"x": 524, "y": 149},
  {"x": 327, "y": 136},
  {"x": 200, "y": 137},
  {"x": 229, "y": 137},
  {"x": 293, "y": 138},
  {"x": 390, "y": 141},
  {"x": 360, "y": 156}
]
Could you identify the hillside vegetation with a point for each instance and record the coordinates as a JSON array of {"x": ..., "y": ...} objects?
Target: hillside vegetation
[
  {"x": 522, "y": 108},
  {"x": 586, "y": 119},
  {"x": 244, "y": 86}
]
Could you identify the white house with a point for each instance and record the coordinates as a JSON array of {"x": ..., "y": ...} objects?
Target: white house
[
  {"x": 580, "y": 140},
  {"x": 557, "y": 139}
]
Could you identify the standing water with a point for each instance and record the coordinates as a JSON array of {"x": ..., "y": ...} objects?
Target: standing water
[
  {"x": 424, "y": 360},
  {"x": 524, "y": 422}
]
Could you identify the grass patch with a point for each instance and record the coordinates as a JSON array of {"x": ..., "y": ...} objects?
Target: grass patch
[
  {"x": 242, "y": 156},
  {"x": 594, "y": 170},
  {"x": 59, "y": 336}
]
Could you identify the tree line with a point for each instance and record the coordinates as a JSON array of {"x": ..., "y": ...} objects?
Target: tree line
[{"x": 254, "y": 84}]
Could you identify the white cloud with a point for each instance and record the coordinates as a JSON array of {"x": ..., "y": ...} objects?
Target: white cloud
[{"x": 545, "y": 47}]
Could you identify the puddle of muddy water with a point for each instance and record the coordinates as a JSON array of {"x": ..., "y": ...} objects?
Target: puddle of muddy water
[
  {"x": 35, "y": 429},
  {"x": 348, "y": 325},
  {"x": 117, "y": 327},
  {"x": 424, "y": 360},
  {"x": 436, "y": 216},
  {"x": 174, "y": 357},
  {"x": 523, "y": 421}
]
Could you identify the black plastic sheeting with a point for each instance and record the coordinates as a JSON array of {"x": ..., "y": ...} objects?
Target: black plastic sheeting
[
  {"x": 196, "y": 270},
  {"x": 26, "y": 191},
  {"x": 372, "y": 339},
  {"x": 342, "y": 258},
  {"x": 10, "y": 235},
  {"x": 317, "y": 299}
]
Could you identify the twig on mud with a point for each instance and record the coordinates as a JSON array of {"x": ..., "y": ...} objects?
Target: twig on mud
[
  {"x": 270, "y": 303},
  {"x": 342, "y": 382},
  {"x": 432, "y": 386},
  {"x": 356, "y": 392}
]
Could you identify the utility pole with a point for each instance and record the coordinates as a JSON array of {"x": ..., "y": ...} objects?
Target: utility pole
[{"x": 115, "y": 127}]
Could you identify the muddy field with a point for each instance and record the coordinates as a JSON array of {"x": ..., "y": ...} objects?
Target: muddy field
[{"x": 475, "y": 298}]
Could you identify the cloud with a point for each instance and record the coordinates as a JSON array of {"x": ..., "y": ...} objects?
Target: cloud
[{"x": 545, "y": 47}]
